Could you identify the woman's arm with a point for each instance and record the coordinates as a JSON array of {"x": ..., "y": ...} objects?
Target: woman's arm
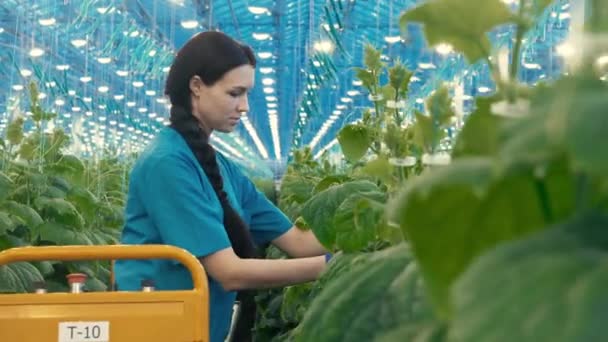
[
  {"x": 299, "y": 243},
  {"x": 234, "y": 273}
]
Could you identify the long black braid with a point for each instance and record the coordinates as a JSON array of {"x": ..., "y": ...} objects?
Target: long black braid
[{"x": 210, "y": 55}]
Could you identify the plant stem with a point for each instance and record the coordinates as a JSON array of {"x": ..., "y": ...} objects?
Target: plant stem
[
  {"x": 516, "y": 59},
  {"x": 543, "y": 196}
]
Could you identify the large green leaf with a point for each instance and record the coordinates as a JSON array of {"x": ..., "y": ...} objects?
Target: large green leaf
[
  {"x": 84, "y": 200},
  {"x": 356, "y": 220},
  {"x": 379, "y": 294},
  {"x": 61, "y": 210},
  {"x": 320, "y": 209},
  {"x": 297, "y": 187},
  {"x": 354, "y": 140},
  {"x": 18, "y": 277},
  {"x": 330, "y": 181},
  {"x": 587, "y": 122},
  {"x": 552, "y": 288},
  {"x": 479, "y": 136},
  {"x": 60, "y": 235},
  {"x": 26, "y": 213},
  {"x": 453, "y": 215},
  {"x": 444, "y": 22}
]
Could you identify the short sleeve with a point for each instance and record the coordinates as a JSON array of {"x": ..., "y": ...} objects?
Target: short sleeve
[
  {"x": 174, "y": 197},
  {"x": 267, "y": 222}
]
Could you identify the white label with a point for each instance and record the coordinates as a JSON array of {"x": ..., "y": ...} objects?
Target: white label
[{"x": 84, "y": 331}]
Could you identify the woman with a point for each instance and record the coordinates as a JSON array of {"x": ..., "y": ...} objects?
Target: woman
[{"x": 183, "y": 193}]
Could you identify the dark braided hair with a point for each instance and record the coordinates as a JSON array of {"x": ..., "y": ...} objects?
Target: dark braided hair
[{"x": 208, "y": 55}]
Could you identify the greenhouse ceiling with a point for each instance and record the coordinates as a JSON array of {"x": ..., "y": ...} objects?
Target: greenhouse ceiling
[{"x": 101, "y": 65}]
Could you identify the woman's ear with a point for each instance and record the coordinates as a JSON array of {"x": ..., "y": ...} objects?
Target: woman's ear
[{"x": 196, "y": 85}]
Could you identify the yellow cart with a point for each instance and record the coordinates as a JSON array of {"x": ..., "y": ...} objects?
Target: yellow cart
[{"x": 120, "y": 316}]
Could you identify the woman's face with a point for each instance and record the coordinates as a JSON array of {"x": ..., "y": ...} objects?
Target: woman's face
[{"x": 220, "y": 106}]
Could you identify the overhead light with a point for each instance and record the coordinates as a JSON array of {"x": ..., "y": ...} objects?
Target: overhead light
[
  {"x": 36, "y": 52},
  {"x": 260, "y": 36},
  {"x": 316, "y": 63},
  {"x": 59, "y": 102},
  {"x": 71, "y": 92},
  {"x": 62, "y": 67},
  {"x": 47, "y": 22},
  {"x": 17, "y": 87},
  {"x": 264, "y": 55},
  {"x": 353, "y": 93},
  {"x": 444, "y": 49},
  {"x": 85, "y": 79},
  {"x": 357, "y": 83},
  {"x": 150, "y": 92},
  {"x": 267, "y": 81},
  {"x": 166, "y": 69},
  {"x": 104, "y": 60},
  {"x": 266, "y": 70},
  {"x": 257, "y": 10},
  {"x": 324, "y": 46},
  {"x": 271, "y": 98},
  {"x": 268, "y": 90},
  {"x": 138, "y": 84},
  {"x": 25, "y": 72},
  {"x": 103, "y": 89},
  {"x": 79, "y": 42},
  {"x": 272, "y": 105},
  {"x": 426, "y": 65},
  {"x": 122, "y": 73},
  {"x": 119, "y": 97},
  {"x": 484, "y": 89},
  {"x": 392, "y": 39},
  {"x": 189, "y": 24}
]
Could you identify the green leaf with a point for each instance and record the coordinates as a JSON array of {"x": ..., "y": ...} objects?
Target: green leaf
[
  {"x": 320, "y": 209},
  {"x": 440, "y": 107},
  {"x": 443, "y": 23},
  {"x": 44, "y": 267},
  {"x": 425, "y": 135},
  {"x": 6, "y": 185},
  {"x": 479, "y": 136},
  {"x": 95, "y": 285},
  {"x": 587, "y": 123},
  {"x": 61, "y": 235},
  {"x": 356, "y": 219},
  {"x": 298, "y": 187},
  {"x": 330, "y": 181},
  {"x": 366, "y": 77},
  {"x": 379, "y": 168},
  {"x": 354, "y": 140},
  {"x": 372, "y": 58},
  {"x": 26, "y": 213},
  {"x": 62, "y": 210},
  {"x": 458, "y": 212},
  {"x": 399, "y": 78},
  {"x": 18, "y": 277},
  {"x": 379, "y": 294},
  {"x": 29, "y": 146},
  {"x": 552, "y": 288},
  {"x": 14, "y": 131},
  {"x": 6, "y": 224}
]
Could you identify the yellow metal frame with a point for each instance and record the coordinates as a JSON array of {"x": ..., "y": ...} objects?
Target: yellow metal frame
[{"x": 131, "y": 316}]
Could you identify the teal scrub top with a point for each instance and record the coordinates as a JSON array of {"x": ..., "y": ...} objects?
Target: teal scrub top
[{"x": 171, "y": 201}]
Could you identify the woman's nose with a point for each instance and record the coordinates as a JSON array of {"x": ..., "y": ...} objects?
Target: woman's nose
[{"x": 243, "y": 105}]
